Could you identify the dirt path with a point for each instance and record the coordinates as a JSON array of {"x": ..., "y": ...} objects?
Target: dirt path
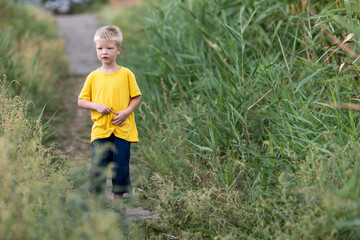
[
  {"x": 73, "y": 123},
  {"x": 79, "y": 30}
]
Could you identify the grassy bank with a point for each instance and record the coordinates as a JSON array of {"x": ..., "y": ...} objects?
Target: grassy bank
[{"x": 249, "y": 124}]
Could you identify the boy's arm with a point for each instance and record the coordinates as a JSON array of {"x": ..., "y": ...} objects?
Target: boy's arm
[
  {"x": 84, "y": 103},
  {"x": 119, "y": 120}
]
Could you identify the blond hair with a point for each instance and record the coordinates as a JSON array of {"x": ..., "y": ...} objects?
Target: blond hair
[{"x": 109, "y": 33}]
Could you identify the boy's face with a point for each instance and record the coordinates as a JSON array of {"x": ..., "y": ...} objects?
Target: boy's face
[{"x": 107, "y": 51}]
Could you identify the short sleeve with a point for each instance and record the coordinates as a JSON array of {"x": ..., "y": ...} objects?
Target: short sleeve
[
  {"x": 86, "y": 90},
  {"x": 134, "y": 88}
]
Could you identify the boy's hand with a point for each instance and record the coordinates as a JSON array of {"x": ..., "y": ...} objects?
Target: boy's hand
[
  {"x": 119, "y": 120},
  {"x": 103, "y": 109}
]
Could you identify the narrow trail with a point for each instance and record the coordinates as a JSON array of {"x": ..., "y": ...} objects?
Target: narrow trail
[{"x": 72, "y": 123}]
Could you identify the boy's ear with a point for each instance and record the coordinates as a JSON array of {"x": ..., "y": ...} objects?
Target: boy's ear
[{"x": 119, "y": 49}]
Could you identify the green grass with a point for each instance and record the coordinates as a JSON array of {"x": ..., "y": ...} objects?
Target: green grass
[
  {"x": 28, "y": 52},
  {"x": 243, "y": 129},
  {"x": 245, "y": 132}
]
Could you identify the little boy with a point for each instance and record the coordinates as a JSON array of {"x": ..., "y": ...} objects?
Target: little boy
[{"x": 112, "y": 95}]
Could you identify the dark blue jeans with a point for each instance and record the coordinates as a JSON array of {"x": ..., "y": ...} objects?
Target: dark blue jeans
[{"x": 105, "y": 151}]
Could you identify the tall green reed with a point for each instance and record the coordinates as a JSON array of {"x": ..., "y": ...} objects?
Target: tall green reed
[{"x": 242, "y": 99}]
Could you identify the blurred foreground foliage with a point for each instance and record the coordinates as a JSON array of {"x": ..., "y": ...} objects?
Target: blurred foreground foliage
[{"x": 40, "y": 198}]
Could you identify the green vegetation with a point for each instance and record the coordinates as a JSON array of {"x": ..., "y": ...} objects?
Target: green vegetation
[
  {"x": 31, "y": 53},
  {"x": 38, "y": 198},
  {"x": 42, "y": 196},
  {"x": 249, "y": 126}
]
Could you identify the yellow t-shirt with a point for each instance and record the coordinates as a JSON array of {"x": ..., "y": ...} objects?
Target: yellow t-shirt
[{"x": 114, "y": 90}]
